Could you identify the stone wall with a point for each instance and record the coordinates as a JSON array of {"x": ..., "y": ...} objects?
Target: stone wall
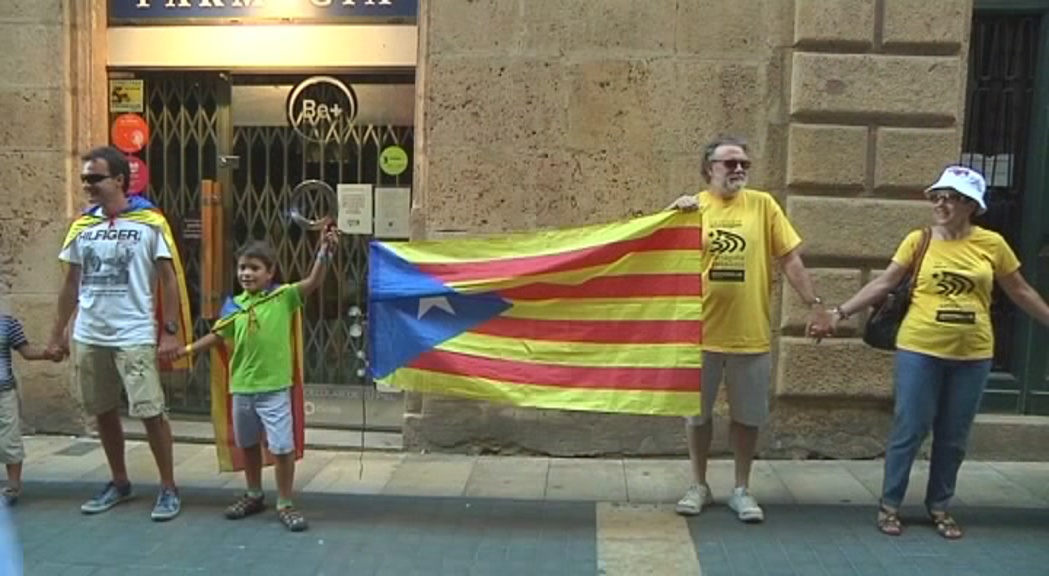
[
  {"x": 547, "y": 113},
  {"x": 544, "y": 113},
  {"x": 46, "y": 79},
  {"x": 876, "y": 107}
]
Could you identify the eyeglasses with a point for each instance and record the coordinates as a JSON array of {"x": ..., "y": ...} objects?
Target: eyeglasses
[
  {"x": 93, "y": 178},
  {"x": 948, "y": 197},
  {"x": 734, "y": 164}
]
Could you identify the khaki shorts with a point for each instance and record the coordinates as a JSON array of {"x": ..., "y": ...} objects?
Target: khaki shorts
[
  {"x": 101, "y": 371},
  {"x": 12, "y": 450},
  {"x": 747, "y": 378}
]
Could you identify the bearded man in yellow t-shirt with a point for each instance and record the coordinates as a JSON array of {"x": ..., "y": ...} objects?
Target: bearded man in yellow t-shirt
[{"x": 744, "y": 232}]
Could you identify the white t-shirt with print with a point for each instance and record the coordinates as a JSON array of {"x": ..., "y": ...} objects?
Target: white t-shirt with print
[{"x": 117, "y": 273}]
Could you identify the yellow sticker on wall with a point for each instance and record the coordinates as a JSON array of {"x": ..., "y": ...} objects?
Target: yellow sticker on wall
[
  {"x": 126, "y": 96},
  {"x": 393, "y": 160}
]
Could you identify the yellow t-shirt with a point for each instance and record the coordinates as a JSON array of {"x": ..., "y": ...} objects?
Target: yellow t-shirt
[
  {"x": 742, "y": 235},
  {"x": 949, "y": 316}
]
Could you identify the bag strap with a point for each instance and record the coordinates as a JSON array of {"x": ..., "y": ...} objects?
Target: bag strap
[{"x": 919, "y": 257}]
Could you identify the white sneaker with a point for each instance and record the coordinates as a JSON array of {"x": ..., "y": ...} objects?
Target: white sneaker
[
  {"x": 692, "y": 502},
  {"x": 745, "y": 506}
]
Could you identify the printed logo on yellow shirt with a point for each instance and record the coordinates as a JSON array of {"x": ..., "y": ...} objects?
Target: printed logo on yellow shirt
[
  {"x": 951, "y": 286},
  {"x": 729, "y": 252}
]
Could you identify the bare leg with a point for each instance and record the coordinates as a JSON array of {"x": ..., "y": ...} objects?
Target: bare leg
[
  {"x": 745, "y": 444},
  {"x": 253, "y": 467},
  {"x": 285, "y": 473},
  {"x": 699, "y": 438},
  {"x": 111, "y": 434},
  {"x": 158, "y": 429},
  {"x": 14, "y": 476}
]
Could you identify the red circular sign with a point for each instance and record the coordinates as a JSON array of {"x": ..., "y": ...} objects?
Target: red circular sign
[
  {"x": 139, "y": 175},
  {"x": 130, "y": 133}
]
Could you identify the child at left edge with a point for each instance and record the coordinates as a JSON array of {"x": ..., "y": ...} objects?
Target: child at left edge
[
  {"x": 12, "y": 450},
  {"x": 261, "y": 372}
]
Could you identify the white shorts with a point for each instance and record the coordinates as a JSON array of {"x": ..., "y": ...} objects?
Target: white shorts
[
  {"x": 747, "y": 378},
  {"x": 268, "y": 412},
  {"x": 12, "y": 451}
]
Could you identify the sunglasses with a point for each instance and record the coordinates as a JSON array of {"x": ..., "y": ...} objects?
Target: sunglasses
[
  {"x": 948, "y": 197},
  {"x": 93, "y": 178},
  {"x": 735, "y": 164}
]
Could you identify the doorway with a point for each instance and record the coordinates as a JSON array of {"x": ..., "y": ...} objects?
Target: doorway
[{"x": 216, "y": 135}]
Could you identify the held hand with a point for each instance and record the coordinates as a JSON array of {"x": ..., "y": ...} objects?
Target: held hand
[
  {"x": 58, "y": 348},
  {"x": 686, "y": 203},
  {"x": 330, "y": 240},
  {"x": 822, "y": 323},
  {"x": 169, "y": 349}
]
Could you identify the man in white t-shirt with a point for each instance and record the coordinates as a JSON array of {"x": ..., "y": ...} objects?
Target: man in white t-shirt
[{"x": 113, "y": 263}]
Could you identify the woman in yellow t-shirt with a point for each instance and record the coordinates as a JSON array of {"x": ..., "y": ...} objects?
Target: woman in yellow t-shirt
[{"x": 945, "y": 343}]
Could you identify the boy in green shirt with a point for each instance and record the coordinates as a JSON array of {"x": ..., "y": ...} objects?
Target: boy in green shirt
[{"x": 259, "y": 323}]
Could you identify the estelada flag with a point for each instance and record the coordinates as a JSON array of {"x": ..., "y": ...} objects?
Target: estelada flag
[
  {"x": 603, "y": 318},
  {"x": 230, "y": 458},
  {"x": 143, "y": 211}
]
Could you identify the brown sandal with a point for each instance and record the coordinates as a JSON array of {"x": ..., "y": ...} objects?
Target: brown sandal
[
  {"x": 292, "y": 519},
  {"x": 889, "y": 522},
  {"x": 946, "y": 525},
  {"x": 245, "y": 506}
]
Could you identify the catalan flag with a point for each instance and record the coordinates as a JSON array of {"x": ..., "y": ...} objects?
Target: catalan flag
[
  {"x": 603, "y": 318},
  {"x": 229, "y": 457},
  {"x": 143, "y": 211}
]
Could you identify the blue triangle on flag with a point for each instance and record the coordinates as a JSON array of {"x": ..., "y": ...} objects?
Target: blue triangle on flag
[{"x": 410, "y": 311}]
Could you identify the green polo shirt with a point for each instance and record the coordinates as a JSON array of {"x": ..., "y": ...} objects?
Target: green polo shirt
[{"x": 261, "y": 335}]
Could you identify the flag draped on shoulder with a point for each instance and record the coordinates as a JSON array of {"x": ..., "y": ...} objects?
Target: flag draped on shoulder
[
  {"x": 143, "y": 211},
  {"x": 230, "y": 459},
  {"x": 603, "y": 318}
]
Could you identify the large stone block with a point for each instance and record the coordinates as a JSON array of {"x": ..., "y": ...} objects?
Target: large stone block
[
  {"x": 455, "y": 425},
  {"x": 469, "y": 102},
  {"x": 619, "y": 103},
  {"x": 29, "y": 54},
  {"x": 834, "y": 368},
  {"x": 834, "y": 23},
  {"x": 723, "y": 29},
  {"x": 29, "y": 254},
  {"x": 584, "y": 27},
  {"x": 713, "y": 98},
  {"x": 799, "y": 429},
  {"x": 35, "y": 185},
  {"x": 910, "y": 25},
  {"x": 476, "y": 190},
  {"x": 833, "y": 285},
  {"x": 581, "y": 188},
  {"x": 34, "y": 118},
  {"x": 539, "y": 101},
  {"x": 867, "y": 87},
  {"x": 32, "y": 10},
  {"x": 464, "y": 26},
  {"x": 860, "y": 228},
  {"x": 912, "y": 158},
  {"x": 834, "y": 156}
]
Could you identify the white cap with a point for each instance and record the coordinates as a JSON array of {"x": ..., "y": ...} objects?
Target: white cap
[{"x": 965, "y": 181}]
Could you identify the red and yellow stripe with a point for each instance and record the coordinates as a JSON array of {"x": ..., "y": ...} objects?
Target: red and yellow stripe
[{"x": 603, "y": 318}]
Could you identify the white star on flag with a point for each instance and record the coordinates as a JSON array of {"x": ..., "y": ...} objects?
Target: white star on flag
[{"x": 441, "y": 302}]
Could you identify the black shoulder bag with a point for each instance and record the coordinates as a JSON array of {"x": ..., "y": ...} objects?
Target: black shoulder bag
[{"x": 887, "y": 315}]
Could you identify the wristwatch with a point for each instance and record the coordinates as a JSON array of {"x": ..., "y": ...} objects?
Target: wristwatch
[{"x": 171, "y": 327}]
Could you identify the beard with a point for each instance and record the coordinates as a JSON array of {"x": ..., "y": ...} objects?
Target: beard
[{"x": 734, "y": 184}]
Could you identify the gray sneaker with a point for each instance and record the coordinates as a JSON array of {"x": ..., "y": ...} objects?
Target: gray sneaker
[
  {"x": 168, "y": 505},
  {"x": 692, "y": 503},
  {"x": 109, "y": 497}
]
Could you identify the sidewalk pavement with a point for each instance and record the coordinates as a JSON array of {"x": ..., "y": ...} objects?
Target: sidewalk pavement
[{"x": 395, "y": 513}]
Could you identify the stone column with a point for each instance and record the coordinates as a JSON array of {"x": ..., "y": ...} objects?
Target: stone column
[
  {"x": 50, "y": 76},
  {"x": 877, "y": 96}
]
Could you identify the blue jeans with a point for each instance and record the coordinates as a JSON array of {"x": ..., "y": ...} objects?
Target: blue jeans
[{"x": 937, "y": 394}]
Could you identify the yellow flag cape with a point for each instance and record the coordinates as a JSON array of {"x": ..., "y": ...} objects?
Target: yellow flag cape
[
  {"x": 143, "y": 211},
  {"x": 231, "y": 459}
]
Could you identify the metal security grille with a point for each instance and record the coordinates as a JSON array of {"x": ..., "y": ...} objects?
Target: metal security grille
[
  {"x": 273, "y": 160},
  {"x": 1002, "y": 68},
  {"x": 183, "y": 115}
]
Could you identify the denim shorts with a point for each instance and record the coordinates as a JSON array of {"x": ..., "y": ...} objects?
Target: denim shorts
[{"x": 266, "y": 412}]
